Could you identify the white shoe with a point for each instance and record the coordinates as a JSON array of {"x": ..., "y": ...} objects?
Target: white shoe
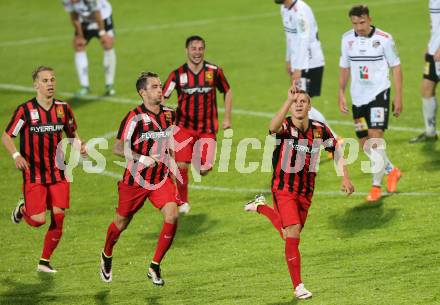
[
  {"x": 44, "y": 266},
  {"x": 184, "y": 208},
  {"x": 16, "y": 215},
  {"x": 154, "y": 275},
  {"x": 106, "y": 268},
  {"x": 302, "y": 293},
  {"x": 252, "y": 205}
]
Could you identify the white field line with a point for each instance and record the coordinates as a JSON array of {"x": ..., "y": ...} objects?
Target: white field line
[
  {"x": 259, "y": 191},
  {"x": 135, "y": 101},
  {"x": 183, "y": 24}
]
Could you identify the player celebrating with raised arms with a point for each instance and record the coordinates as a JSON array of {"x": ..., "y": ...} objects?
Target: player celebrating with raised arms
[
  {"x": 143, "y": 139},
  {"x": 295, "y": 161},
  {"x": 40, "y": 122}
]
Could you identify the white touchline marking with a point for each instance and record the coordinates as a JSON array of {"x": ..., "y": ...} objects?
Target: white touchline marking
[
  {"x": 267, "y": 191},
  {"x": 135, "y": 101},
  {"x": 182, "y": 24}
]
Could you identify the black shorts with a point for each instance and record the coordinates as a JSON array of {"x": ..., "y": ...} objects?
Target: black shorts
[
  {"x": 311, "y": 79},
  {"x": 373, "y": 115},
  {"x": 91, "y": 33},
  {"x": 429, "y": 71}
]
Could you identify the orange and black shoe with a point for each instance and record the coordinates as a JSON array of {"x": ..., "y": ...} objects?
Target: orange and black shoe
[
  {"x": 392, "y": 179},
  {"x": 375, "y": 194}
]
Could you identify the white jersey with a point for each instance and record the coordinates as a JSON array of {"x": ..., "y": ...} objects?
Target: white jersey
[
  {"x": 434, "y": 12},
  {"x": 369, "y": 59},
  {"x": 303, "y": 48},
  {"x": 86, "y": 9}
]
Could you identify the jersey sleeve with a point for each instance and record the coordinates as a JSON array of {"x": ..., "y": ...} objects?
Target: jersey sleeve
[
  {"x": 70, "y": 125},
  {"x": 170, "y": 85},
  {"x": 390, "y": 52},
  {"x": 344, "y": 61},
  {"x": 127, "y": 127},
  {"x": 283, "y": 131},
  {"x": 300, "y": 58},
  {"x": 68, "y": 7},
  {"x": 328, "y": 139},
  {"x": 93, "y": 4},
  {"x": 17, "y": 122},
  {"x": 221, "y": 82}
]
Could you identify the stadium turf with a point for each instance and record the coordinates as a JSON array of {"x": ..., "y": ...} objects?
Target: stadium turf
[{"x": 352, "y": 253}]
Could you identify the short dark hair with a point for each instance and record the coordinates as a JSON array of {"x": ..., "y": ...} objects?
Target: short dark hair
[
  {"x": 40, "y": 69},
  {"x": 142, "y": 80},
  {"x": 359, "y": 10},
  {"x": 194, "y": 38}
]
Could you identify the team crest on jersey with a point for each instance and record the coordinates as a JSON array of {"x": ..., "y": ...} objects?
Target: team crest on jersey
[
  {"x": 363, "y": 72},
  {"x": 209, "y": 77},
  {"x": 350, "y": 44},
  {"x": 169, "y": 117},
  {"x": 293, "y": 132},
  {"x": 183, "y": 79},
  {"x": 34, "y": 115},
  {"x": 376, "y": 43},
  {"x": 60, "y": 112},
  {"x": 317, "y": 134}
]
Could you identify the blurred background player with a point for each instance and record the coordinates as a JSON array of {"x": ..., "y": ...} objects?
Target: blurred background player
[
  {"x": 142, "y": 138},
  {"x": 295, "y": 164},
  {"x": 196, "y": 82},
  {"x": 40, "y": 122},
  {"x": 368, "y": 53},
  {"x": 304, "y": 56},
  {"x": 92, "y": 18},
  {"x": 431, "y": 77}
]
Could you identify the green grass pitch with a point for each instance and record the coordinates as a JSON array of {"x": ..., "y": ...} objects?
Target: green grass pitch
[{"x": 352, "y": 253}]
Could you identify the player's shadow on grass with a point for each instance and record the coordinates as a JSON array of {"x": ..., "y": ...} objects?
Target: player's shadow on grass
[
  {"x": 101, "y": 298},
  {"x": 28, "y": 294},
  {"x": 430, "y": 151},
  {"x": 366, "y": 216},
  {"x": 153, "y": 300}
]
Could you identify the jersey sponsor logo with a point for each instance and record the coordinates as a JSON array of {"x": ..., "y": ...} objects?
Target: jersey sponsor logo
[
  {"x": 35, "y": 116},
  {"x": 191, "y": 91},
  {"x": 376, "y": 43},
  {"x": 363, "y": 72},
  {"x": 377, "y": 115},
  {"x": 183, "y": 79},
  {"x": 60, "y": 112},
  {"x": 154, "y": 135},
  {"x": 304, "y": 148},
  {"x": 360, "y": 124},
  {"x": 209, "y": 77},
  {"x": 47, "y": 128}
]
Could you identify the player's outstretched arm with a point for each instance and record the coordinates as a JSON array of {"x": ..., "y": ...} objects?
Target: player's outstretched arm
[
  {"x": 228, "y": 110},
  {"x": 344, "y": 75},
  {"x": 20, "y": 162},
  {"x": 278, "y": 119},
  {"x": 398, "y": 80}
]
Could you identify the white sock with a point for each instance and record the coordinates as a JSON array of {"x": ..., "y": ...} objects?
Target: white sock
[
  {"x": 82, "y": 68},
  {"x": 378, "y": 175},
  {"x": 429, "y": 113},
  {"x": 314, "y": 114},
  {"x": 109, "y": 66}
]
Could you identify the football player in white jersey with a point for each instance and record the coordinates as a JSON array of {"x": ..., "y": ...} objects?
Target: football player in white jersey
[
  {"x": 367, "y": 56},
  {"x": 304, "y": 56},
  {"x": 92, "y": 18},
  {"x": 431, "y": 75}
]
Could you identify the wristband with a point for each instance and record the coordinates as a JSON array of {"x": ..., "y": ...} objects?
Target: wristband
[
  {"x": 143, "y": 159},
  {"x": 16, "y": 155},
  {"x": 101, "y": 33}
]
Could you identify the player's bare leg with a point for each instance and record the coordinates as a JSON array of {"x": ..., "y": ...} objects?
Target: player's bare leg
[
  {"x": 293, "y": 260},
  {"x": 119, "y": 224},
  {"x": 109, "y": 62},
  {"x": 430, "y": 106},
  {"x": 170, "y": 215},
  {"x": 182, "y": 187}
]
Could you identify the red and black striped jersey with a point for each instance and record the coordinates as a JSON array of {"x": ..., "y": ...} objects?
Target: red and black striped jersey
[
  {"x": 296, "y": 157},
  {"x": 40, "y": 133},
  {"x": 148, "y": 134},
  {"x": 196, "y": 101}
]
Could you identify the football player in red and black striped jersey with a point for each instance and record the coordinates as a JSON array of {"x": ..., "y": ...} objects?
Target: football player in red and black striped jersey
[
  {"x": 295, "y": 160},
  {"x": 40, "y": 122},
  {"x": 145, "y": 140},
  {"x": 196, "y": 83}
]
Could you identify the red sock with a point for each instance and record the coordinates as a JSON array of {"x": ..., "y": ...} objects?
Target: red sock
[
  {"x": 165, "y": 240},
  {"x": 182, "y": 187},
  {"x": 53, "y": 235},
  {"x": 112, "y": 237},
  {"x": 293, "y": 259},
  {"x": 273, "y": 216}
]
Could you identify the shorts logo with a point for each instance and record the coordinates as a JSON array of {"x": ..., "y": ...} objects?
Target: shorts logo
[
  {"x": 426, "y": 68},
  {"x": 363, "y": 72},
  {"x": 360, "y": 124},
  {"x": 209, "y": 77},
  {"x": 60, "y": 112},
  {"x": 183, "y": 79},
  {"x": 34, "y": 115},
  {"x": 376, "y": 43},
  {"x": 377, "y": 115}
]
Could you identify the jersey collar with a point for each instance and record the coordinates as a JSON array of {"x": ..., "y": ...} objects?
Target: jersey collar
[
  {"x": 292, "y": 5},
  {"x": 373, "y": 30}
]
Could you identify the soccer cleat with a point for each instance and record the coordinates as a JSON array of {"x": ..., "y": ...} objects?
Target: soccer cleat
[
  {"x": 374, "y": 195},
  {"x": 109, "y": 90},
  {"x": 253, "y": 205},
  {"x": 106, "y": 268},
  {"x": 423, "y": 138},
  {"x": 184, "y": 208},
  {"x": 82, "y": 91},
  {"x": 302, "y": 293},
  {"x": 154, "y": 275},
  {"x": 16, "y": 215},
  {"x": 44, "y": 266},
  {"x": 392, "y": 179}
]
